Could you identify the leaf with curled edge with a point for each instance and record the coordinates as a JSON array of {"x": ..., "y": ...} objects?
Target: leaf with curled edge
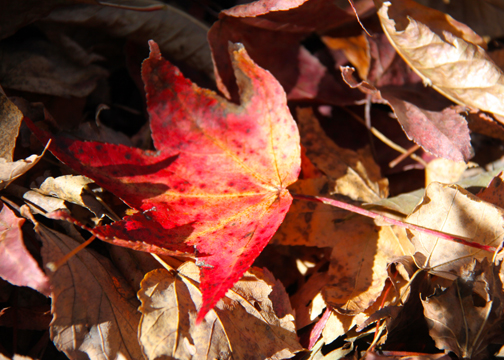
[
  {"x": 216, "y": 184},
  {"x": 457, "y": 68}
]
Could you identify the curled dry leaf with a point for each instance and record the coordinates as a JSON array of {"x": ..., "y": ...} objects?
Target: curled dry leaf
[
  {"x": 354, "y": 173},
  {"x": 73, "y": 188},
  {"x": 494, "y": 192},
  {"x": 17, "y": 265},
  {"x": 9, "y": 171},
  {"x": 243, "y": 324},
  {"x": 458, "y": 69},
  {"x": 94, "y": 309},
  {"x": 200, "y": 139},
  {"x": 453, "y": 210},
  {"x": 464, "y": 321}
]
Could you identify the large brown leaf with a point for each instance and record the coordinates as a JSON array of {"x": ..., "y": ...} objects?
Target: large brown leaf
[
  {"x": 467, "y": 317},
  {"x": 458, "y": 69},
  {"x": 453, "y": 210},
  {"x": 243, "y": 325},
  {"x": 95, "y": 310}
]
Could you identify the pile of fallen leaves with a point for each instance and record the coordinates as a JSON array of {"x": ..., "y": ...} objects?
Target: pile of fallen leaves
[{"x": 317, "y": 179}]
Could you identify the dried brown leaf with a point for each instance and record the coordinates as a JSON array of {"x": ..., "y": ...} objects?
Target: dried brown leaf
[
  {"x": 453, "y": 210},
  {"x": 95, "y": 310},
  {"x": 461, "y": 319},
  {"x": 354, "y": 173},
  {"x": 242, "y": 325},
  {"x": 458, "y": 69}
]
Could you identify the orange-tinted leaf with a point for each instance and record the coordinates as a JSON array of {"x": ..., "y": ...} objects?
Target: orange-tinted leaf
[
  {"x": 217, "y": 183},
  {"x": 17, "y": 266}
]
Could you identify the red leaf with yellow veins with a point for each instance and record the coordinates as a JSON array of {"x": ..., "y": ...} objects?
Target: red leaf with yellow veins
[{"x": 216, "y": 184}]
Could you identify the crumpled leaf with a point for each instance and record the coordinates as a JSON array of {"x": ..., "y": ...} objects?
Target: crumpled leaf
[
  {"x": 243, "y": 325},
  {"x": 201, "y": 139},
  {"x": 179, "y": 35},
  {"x": 73, "y": 188},
  {"x": 453, "y": 210},
  {"x": 9, "y": 171},
  {"x": 10, "y": 120},
  {"x": 456, "y": 68},
  {"x": 354, "y": 173},
  {"x": 17, "y": 265},
  {"x": 463, "y": 320},
  {"x": 494, "y": 192},
  {"x": 94, "y": 309}
]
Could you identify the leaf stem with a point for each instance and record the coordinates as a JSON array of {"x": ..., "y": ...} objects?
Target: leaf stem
[{"x": 373, "y": 215}]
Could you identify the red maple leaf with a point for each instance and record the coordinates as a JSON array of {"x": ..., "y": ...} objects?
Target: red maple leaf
[{"x": 216, "y": 184}]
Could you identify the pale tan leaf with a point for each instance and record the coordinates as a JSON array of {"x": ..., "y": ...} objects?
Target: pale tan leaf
[
  {"x": 243, "y": 325},
  {"x": 9, "y": 171},
  {"x": 458, "y": 69},
  {"x": 444, "y": 171},
  {"x": 453, "y": 210},
  {"x": 354, "y": 173},
  {"x": 95, "y": 310}
]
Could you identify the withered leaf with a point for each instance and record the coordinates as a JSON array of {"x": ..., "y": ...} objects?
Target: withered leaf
[
  {"x": 453, "y": 210},
  {"x": 95, "y": 310},
  {"x": 355, "y": 174},
  {"x": 458, "y": 69},
  {"x": 464, "y": 321},
  {"x": 242, "y": 325},
  {"x": 10, "y": 120}
]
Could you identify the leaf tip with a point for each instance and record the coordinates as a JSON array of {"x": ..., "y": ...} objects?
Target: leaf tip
[{"x": 154, "y": 50}]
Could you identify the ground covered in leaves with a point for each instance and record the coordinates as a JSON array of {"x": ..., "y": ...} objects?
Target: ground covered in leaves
[{"x": 307, "y": 179}]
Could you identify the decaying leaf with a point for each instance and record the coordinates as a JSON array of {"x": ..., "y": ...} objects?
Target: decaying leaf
[
  {"x": 463, "y": 320},
  {"x": 355, "y": 174},
  {"x": 217, "y": 183},
  {"x": 243, "y": 324},
  {"x": 17, "y": 265},
  {"x": 94, "y": 309},
  {"x": 453, "y": 210},
  {"x": 458, "y": 69}
]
